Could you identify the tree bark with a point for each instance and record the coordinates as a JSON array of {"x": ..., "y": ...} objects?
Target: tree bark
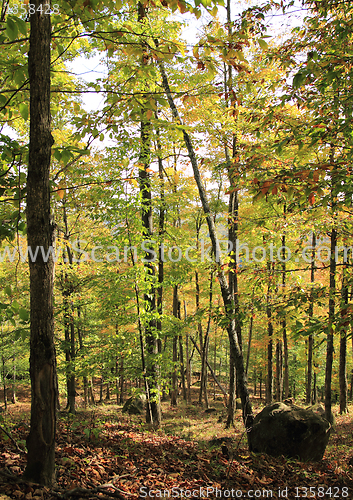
[
  {"x": 329, "y": 349},
  {"x": 343, "y": 345},
  {"x": 41, "y": 440},
  {"x": 309, "y": 398},
  {"x": 285, "y": 380},
  {"x": 174, "y": 390},
  {"x": 269, "y": 384}
]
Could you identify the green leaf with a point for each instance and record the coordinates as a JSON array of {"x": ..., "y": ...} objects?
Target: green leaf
[
  {"x": 24, "y": 110},
  {"x": 11, "y": 29},
  {"x": 263, "y": 44},
  {"x": 298, "y": 80},
  {"x": 23, "y": 314},
  {"x": 8, "y": 290},
  {"x": 21, "y": 25}
]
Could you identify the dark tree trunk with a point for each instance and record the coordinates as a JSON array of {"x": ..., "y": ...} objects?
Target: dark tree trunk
[
  {"x": 41, "y": 440},
  {"x": 13, "y": 396},
  {"x": 182, "y": 367},
  {"x": 85, "y": 391},
  {"x": 91, "y": 392},
  {"x": 121, "y": 381},
  {"x": 101, "y": 389},
  {"x": 343, "y": 345},
  {"x": 4, "y": 381},
  {"x": 188, "y": 362},
  {"x": 174, "y": 390},
  {"x": 279, "y": 371},
  {"x": 269, "y": 379},
  {"x": 329, "y": 349},
  {"x": 285, "y": 381},
  {"x": 161, "y": 222},
  {"x": 308, "y": 397},
  {"x": 232, "y": 393}
]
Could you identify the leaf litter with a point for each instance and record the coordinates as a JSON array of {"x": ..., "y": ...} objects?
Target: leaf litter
[{"x": 123, "y": 459}]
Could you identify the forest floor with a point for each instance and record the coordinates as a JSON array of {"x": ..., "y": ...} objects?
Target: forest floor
[{"x": 103, "y": 453}]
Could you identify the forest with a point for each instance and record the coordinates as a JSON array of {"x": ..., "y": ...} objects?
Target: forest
[{"x": 175, "y": 249}]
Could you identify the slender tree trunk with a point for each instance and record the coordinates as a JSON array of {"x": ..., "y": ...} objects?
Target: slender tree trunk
[
  {"x": 101, "y": 389},
  {"x": 232, "y": 392},
  {"x": 329, "y": 349},
  {"x": 13, "y": 396},
  {"x": 343, "y": 345},
  {"x": 308, "y": 397},
  {"x": 81, "y": 354},
  {"x": 161, "y": 223},
  {"x": 279, "y": 371},
  {"x": 41, "y": 440},
  {"x": 182, "y": 366},
  {"x": 72, "y": 380},
  {"x": 121, "y": 380},
  {"x": 174, "y": 390},
  {"x": 250, "y": 337},
  {"x": 4, "y": 381},
  {"x": 270, "y": 341},
  {"x": 188, "y": 362},
  {"x": 285, "y": 377},
  {"x": 91, "y": 392},
  {"x": 260, "y": 384}
]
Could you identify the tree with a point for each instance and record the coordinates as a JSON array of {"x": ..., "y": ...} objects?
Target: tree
[{"x": 41, "y": 440}]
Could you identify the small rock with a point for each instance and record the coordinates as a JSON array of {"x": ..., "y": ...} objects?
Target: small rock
[{"x": 135, "y": 405}]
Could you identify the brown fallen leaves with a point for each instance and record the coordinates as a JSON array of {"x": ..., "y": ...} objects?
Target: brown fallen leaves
[{"x": 124, "y": 461}]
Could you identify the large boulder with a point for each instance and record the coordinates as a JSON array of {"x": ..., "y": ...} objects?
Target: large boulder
[
  {"x": 286, "y": 429},
  {"x": 135, "y": 405}
]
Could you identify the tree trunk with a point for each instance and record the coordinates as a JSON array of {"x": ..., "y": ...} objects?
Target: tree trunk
[
  {"x": 4, "y": 381},
  {"x": 343, "y": 345},
  {"x": 13, "y": 396},
  {"x": 182, "y": 367},
  {"x": 101, "y": 389},
  {"x": 85, "y": 391},
  {"x": 329, "y": 349},
  {"x": 41, "y": 440},
  {"x": 153, "y": 406},
  {"x": 174, "y": 390},
  {"x": 285, "y": 381},
  {"x": 121, "y": 381},
  {"x": 250, "y": 337},
  {"x": 188, "y": 362},
  {"x": 161, "y": 219},
  {"x": 279, "y": 371},
  {"x": 308, "y": 397},
  {"x": 270, "y": 341},
  {"x": 232, "y": 393}
]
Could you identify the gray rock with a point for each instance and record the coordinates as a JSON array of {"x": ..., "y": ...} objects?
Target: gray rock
[
  {"x": 282, "y": 429},
  {"x": 135, "y": 405}
]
